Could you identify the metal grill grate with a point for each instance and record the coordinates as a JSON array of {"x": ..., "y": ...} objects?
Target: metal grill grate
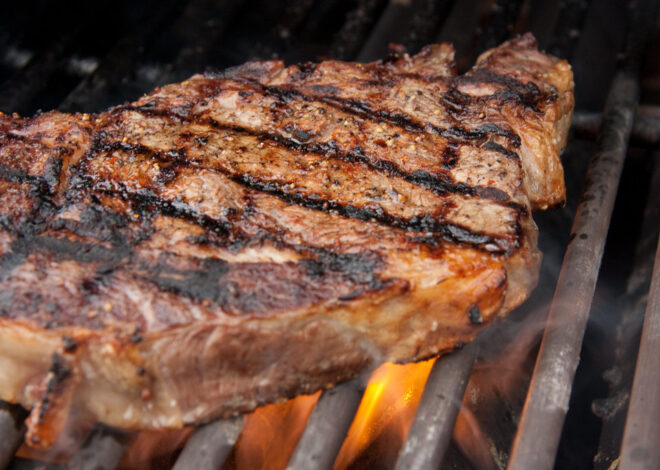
[{"x": 136, "y": 49}]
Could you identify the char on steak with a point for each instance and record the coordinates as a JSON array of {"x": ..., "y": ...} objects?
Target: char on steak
[{"x": 246, "y": 236}]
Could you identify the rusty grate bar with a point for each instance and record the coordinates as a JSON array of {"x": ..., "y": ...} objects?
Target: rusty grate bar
[
  {"x": 327, "y": 426},
  {"x": 640, "y": 448},
  {"x": 432, "y": 428},
  {"x": 208, "y": 448},
  {"x": 547, "y": 400}
]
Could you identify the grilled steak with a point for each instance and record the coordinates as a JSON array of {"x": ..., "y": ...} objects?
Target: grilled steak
[{"x": 249, "y": 235}]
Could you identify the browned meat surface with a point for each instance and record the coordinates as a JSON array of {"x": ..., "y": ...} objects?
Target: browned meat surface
[{"x": 243, "y": 237}]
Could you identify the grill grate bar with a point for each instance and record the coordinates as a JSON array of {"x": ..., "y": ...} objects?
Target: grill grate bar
[
  {"x": 327, "y": 427},
  {"x": 410, "y": 23},
  {"x": 355, "y": 30},
  {"x": 543, "y": 416},
  {"x": 396, "y": 15},
  {"x": 432, "y": 428},
  {"x": 102, "y": 450},
  {"x": 458, "y": 29},
  {"x": 645, "y": 131},
  {"x": 642, "y": 432},
  {"x": 619, "y": 376},
  {"x": 209, "y": 447}
]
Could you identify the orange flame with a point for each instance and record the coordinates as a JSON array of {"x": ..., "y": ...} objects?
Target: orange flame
[
  {"x": 386, "y": 411},
  {"x": 270, "y": 435}
]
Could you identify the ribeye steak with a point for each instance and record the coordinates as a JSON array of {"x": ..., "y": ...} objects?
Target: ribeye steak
[{"x": 249, "y": 235}]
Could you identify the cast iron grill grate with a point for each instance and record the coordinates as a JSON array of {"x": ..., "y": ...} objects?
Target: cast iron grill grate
[{"x": 111, "y": 52}]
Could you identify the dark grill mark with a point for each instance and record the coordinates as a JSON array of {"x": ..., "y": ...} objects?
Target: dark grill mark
[
  {"x": 489, "y": 192},
  {"x": 364, "y": 110},
  {"x": 65, "y": 249},
  {"x": 474, "y": 314},
  {"x": 426, "y": 223},
  {"x": 69, "y": 344},
  {"x": 20, "y": 177},
  {"x": 110, "y": 249},
  {"x": 526, "y": 94},
  {"x": 14, "y": 137},
  {"x": 439, "y": 185},
  {"x": 304, "y": 71},
  {"x": 450, "y": 157},
  {"x": 491, "y": 145},
  {"x": 360, "y": 268},
  {"x": 59, "y": 370},
  {"x": 199, "y": 285},
  {"x": 146, "y": 201},
  {"x": 53, "y": 170},
  {"x": 59, "y": 373},
  {"x": 306, "y": 281}
]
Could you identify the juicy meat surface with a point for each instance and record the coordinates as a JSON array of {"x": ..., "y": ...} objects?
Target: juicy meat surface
[{"x": 246, "y": 236}]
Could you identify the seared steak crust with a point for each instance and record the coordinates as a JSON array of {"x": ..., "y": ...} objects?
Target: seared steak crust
[{"x": 249, "y": 235}]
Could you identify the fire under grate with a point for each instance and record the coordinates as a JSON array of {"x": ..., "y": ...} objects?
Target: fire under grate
[{"x": 158, "y": 42}]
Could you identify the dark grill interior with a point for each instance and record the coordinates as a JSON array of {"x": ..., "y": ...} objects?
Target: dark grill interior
[{"x": 87, "y": 56}]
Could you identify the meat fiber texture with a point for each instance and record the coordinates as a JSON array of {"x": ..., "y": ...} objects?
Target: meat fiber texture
[{"x": 247, "y": 236}]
